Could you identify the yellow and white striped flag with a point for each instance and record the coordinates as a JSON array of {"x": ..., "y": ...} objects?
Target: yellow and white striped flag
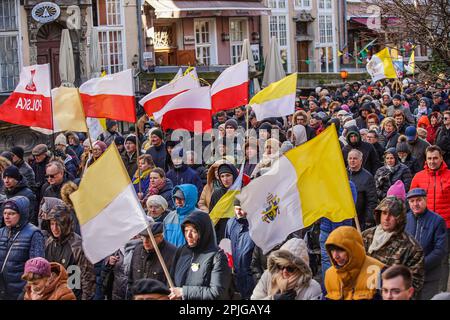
[{"x": 107, "y": 207}]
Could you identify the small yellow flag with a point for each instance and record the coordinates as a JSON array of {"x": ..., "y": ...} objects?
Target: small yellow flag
[
  {"x": 154, "y": 85},
  {"x": 340, "y": 53},
  {"x": 68, "y": 113}
]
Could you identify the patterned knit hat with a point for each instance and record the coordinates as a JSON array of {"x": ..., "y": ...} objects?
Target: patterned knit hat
[{"x": 38, "y": 266}]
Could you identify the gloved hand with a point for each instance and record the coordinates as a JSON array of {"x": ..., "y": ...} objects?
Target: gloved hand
[{"x": 287, "y": 295}]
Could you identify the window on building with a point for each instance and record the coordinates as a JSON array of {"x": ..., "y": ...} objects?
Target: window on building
[
  {"x": 278, "y": 29},
  {"x": 205, "y": 41},
  {"x": 325, "y": 28},
  {"x": 326, "y": 59},
  {"x": 9, "y": 49},
  {"x": 325, "y": 4},
  {"x": 277, "y": 4},
  {"x": 303, "y": 4},
  {"x": 109, "y": 22},
  {"x": 238, "y": 32}
]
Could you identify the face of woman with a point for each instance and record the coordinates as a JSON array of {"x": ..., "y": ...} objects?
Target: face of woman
[
  {"x": 388, "y": 127},
  {"x": 250, "y": 152},
  {"x": 268, "y": 149},
  {"x": 155, "y": 179},
  {"x": 423, "y": 104},
  {"x": 143, "y": 165},
  {"x": 389, "y": 159},
  {"x": 433, "y": 121},
  {"x": 96, "y": 151}
]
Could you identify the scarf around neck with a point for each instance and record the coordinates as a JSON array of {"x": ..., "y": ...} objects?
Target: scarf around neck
[{"x": 380, "y": 238}]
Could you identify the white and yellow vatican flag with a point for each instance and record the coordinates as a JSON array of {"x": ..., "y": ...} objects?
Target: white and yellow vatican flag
[
  {"x": 381, "y": 66},
  {"x": 306, "y": 183},
  {"x": 107, "y": 207}
]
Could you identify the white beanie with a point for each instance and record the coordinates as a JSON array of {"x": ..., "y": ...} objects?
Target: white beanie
[
  {"x": 157, "y": 200},
  {"x": 61, "y": 139},
  {"x": 298, "y": 248}
]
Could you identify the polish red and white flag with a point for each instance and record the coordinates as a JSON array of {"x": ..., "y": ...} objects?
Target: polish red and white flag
[
  {"x": 230, "y": 90},
  {"x": 156, "y": 100},
  {"x": 190, "y": 110},
  {"x": 30, "y": 104},
  {"x": 111, "y": 96}
]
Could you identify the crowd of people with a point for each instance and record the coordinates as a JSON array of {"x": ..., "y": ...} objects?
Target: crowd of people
[{"x": 395, "y": 145}]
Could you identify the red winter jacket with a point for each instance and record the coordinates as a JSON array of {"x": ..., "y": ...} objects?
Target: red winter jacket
[{"x": 437, "y": 185}]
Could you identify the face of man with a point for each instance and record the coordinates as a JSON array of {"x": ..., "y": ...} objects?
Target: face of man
[
  {"x": 221, "y": 118},
  {"x": 54, "y": 227},
  {"x": 339, "y": 256},
  {"x": 371, "y": 138},
  {"x": 11, "y": 217},
  {"x": 396, "y": 102},
  {"x": 229, "y": 131},
  {"x": 354, "y": 163},
  {"x": 312, "y": 106},
  {"x": 350, "y": 103},
  {"x": 394, "y": 289},
  {"x": 226, "y": 179},
  {"x": 179, "y": 202},
  {"x": 447, "y": 120},
  {"x": 399, "y": 120},
  {"x": 54, "y": 175},
  {"x": 130, "y": 147},
  {"x": 10, "y": 182},
  {"x": 353, "y": 138},
  {"x": 434, "y": 160},
  {"x": 191, "y": 234},
  {"x": 418, "y": 204},
  {"x": 437, "y": 100},
  {"x": 147, "y": 243},
  {"x": 156, "y": 141},
  {"x": 239, "y": 212},
  {"x": 388, "y": 222},
  {"x": 39, "y": 158},
  {"x": 239, "y": 112}
]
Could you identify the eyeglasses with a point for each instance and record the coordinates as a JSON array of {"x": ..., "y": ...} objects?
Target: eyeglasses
[
  {"x": 51, "y": 176},
  {"x": 288, "y": 268}
]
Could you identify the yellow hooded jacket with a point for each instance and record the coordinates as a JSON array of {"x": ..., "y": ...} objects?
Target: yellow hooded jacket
[{"x": 360, "y": 277}]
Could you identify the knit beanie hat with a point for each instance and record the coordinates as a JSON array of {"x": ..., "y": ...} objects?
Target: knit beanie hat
[
  {"x": 298, "y": 248},
  {"x": 18, "y": 151},
  {"x": 158, "y": 133},
  {"x": 61, "y": 139},
  {"x": 231, "y": 122},
  {"x": 100, "y": 144},
  {"x": 38, "y": 266},
  {"x": 131, "y": 138},
  {"x": 402, "y": 146},
  {"x": 119, "y": 140},
  {"x": 12, "y": 172},
  {"x": 157, "y": 200},
  {"x": 397, "y": 190}
]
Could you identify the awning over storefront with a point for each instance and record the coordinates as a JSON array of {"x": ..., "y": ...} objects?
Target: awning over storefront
[{"x": 181, "y": 9}]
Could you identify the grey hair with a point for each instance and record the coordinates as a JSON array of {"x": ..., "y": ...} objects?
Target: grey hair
[{"x": 358, "y": 153}]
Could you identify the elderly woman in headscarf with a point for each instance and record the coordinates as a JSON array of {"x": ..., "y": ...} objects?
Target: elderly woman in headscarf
[
  {"x": 271, "y": 153},
  {"x": 288, "y": 276}
]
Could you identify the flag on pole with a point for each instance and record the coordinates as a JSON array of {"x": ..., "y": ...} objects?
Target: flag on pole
[
  {"x": 306, "y": 183},
  {"x": 224, "y": 208},
  {"x": 410, "y": 68},
  {"x": 30, "y": 104},
  {"x": 380, "y": 66},
  {"x": 68, "y": 113},
  {"x": 157, "y": 99},
  {"x": 230, "y": 90},
  {"x": 277, "y": 99},
  {"x": 107, "y": 207},
  {"x": 190, "y": 110},
  {"x": 111, "y": 96},
  {"x": 154, "y": 85}
]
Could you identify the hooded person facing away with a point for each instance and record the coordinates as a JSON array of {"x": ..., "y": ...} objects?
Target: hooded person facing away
[{"x": 200, "y": 269}]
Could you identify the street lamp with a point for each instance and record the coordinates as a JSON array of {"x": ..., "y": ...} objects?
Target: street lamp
[{"x": 344, "y": 75}]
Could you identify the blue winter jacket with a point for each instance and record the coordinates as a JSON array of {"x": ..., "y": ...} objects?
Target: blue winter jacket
[
  {"x": 23, "y": 242},
  {"x": 429, "y": 229},
  {"x": 173, "y": 221},
  {"x": 326, "y": 225},
  {"x": 242, "y": 251},
  {"x": 186, "y": 175}
]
